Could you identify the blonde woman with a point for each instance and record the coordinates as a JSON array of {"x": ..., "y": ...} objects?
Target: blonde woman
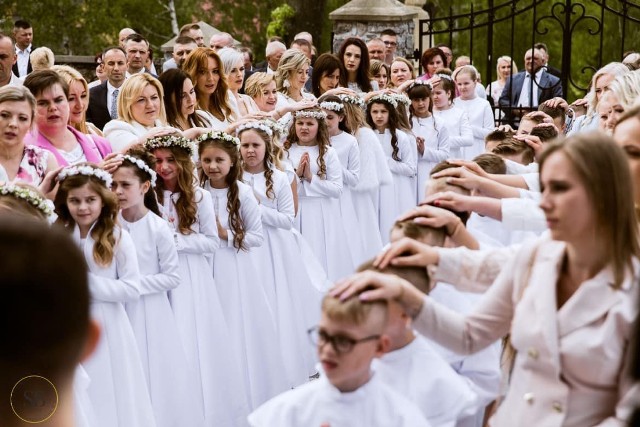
[
  {"x": 291, "y": 76},
  {"x": 141, "y": 113},
  {"x": 261, "y": 87},
  {"x": 78, "y": 99},
  {"x": 505, "y": 67},
  {"x": 233, "y": 65}
]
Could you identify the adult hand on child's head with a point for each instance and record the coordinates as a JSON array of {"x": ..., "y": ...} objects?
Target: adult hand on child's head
[
  {"x": 534, "y": 141},
  {"x": 385, "y": 286},
  {"x": 506, "y": 128},
  {"x": 111, "y": 162},
  {"x": 452, "y": 201},
  {"x": 470, "y": 165},
  {"x": 48, "y": 185},
  {"x": 406, "y": 252},
  {"x": 556, "y": 102},
  {"x": 461, "y": 177},
  {"x": 432, "y": 216}
]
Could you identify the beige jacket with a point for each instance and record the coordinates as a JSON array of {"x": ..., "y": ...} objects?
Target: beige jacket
[{"x": 570, "y": 363}]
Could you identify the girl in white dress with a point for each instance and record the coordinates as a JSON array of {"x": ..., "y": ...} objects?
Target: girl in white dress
[
  {"x": 346, "y": 146},
  {"x": 295, "y": 300},
  {"x": 478, "y": 109},
  {"x": 454, "y": 118},
  {"x": 319, "y": 172},
  {"x": 432, "y": 138},
  {"x": 236, "y": 268},
  {"x": 89, "y": 209},
  {"x": 170, "y": 379},
  {"x": 195, "y": 303},
  {"x": 401, "y": 158},
  {"x": 374, "y": 172}
]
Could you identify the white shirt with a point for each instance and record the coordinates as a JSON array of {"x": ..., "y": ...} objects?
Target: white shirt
[
  {"x": 23, "y": 60},
  {"x": 526, "y": 88}
]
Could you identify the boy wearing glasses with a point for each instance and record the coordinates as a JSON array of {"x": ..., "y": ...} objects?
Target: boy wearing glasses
[
  {"x": 390, "y": 40},
  {"x": 350, "y": 335}
]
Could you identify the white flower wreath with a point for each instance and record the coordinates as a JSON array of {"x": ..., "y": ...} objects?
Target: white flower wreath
[
  {"x": 332, "y": 106},
  {"x": 28, "y": 195},
  {"x": 318, "y": 115},
  {"x": 419, "y": 82},
  {"x": 352, "y": 100},
  {"x": 275, "y": 126},
  {"x": 215, "y": 134},
  {"x": 445, "y": 76},
  {"x": 168, "y": 141},
  {"x": 86, "y": 170},
  {"x": 142, "y": 165},
  {"x": 384, "y": 97},
  {"x": 399, "y": 97},
  {"x": 255, "y": 125}
]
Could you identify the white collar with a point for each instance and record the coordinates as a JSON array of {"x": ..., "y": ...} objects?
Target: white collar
[{"x": 27, "y": 49}]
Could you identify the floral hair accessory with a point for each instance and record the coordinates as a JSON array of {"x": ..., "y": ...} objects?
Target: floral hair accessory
[
  {"x": 86, "y": 170},
  {"x": 275, "y": 126},
  {"x": 142, "y": 165},
  {"x": 419, "y": 82},
  {"x": 318, "y": 115},
  {"x": 255, "y": 125},
  {"x": 352, "y": 100},
  {"x": 445, "y": 76},
  {"x": 400, "y": 97},
  {"x": 32, "y": 197},
  {"x": 385, "y": 97},
  {"x": 332, "y": 106},
  {"x": 223, "y": 136},
  {"x": 168, "y": 141}
]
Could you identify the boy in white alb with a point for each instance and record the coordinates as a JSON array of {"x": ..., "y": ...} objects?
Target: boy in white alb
[
  {"x": 414, "y": 369},
  {"x": 348, "y": 394}
]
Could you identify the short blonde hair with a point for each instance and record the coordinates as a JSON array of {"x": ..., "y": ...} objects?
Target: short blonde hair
[
  {"x": 417, "y": 276},
  {"x": 42, "y": 58},
  {"x": 131, "y": 89},
  {"x": 505, "y": 58},
  {"x": 256, "y": 82},
  {"x": 356, "y": 311}
]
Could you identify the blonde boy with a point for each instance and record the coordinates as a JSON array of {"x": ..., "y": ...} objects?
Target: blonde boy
[{"x": 350, "y": 335}]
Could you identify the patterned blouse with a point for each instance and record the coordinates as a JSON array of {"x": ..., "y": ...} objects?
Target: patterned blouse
[{"x": 33, "y": 166}]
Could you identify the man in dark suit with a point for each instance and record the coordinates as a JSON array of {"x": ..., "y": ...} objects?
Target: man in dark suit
[
  {"x": 103, "y": 99},
  {"x": 528, "y": 88},
  {"x": 23, "y": 35}
]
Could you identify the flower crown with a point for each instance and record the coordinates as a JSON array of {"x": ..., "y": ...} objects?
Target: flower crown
[
  {"x": 223, "y": 136},
  {"x": 86, "y": 170},
  {"x": 419, "y": 82},
  {"x": 318, "y": 115},
  {"x": 332, "y": 106},
  {"x": 255, "y": 125},
  {"x": 352, "y": 100},
  {"x": 29, "y": 196},
  {"x": 384, "y": 97},
  {"x": 275, "y": 126},
  {"x": 445, "y": 76},
  {"x": 399, "y": 97},
  {"x": 168, "y": 141},
  {"x": 142, "y": 165}
]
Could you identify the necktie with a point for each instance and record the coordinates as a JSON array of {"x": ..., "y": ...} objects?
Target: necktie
[
  {"x": 114, "y": 104},
  {"x": 526, "y": 86}
]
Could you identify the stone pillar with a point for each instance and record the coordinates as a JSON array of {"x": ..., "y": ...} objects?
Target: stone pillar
[{"x": 367, "y": 18}]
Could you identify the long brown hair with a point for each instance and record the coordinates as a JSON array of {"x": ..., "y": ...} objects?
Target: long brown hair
[
  {"x": 393, "y": 124},
  {"x": 268, "y": 161},
  {"x": 138, "y": 152},
  {"x": 233, "y": 196},
  {"x": 102, "y": 230},
  {"x": 322, "y": 138},
  {"x": 186, "y": 205},
  {"x": 195, "y": 64}
]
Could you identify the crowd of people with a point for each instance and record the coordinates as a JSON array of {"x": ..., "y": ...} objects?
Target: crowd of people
[{"x": 326, "y": 240}]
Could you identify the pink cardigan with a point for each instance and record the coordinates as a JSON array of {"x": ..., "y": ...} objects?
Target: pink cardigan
[{"x": 95, "y": 147}]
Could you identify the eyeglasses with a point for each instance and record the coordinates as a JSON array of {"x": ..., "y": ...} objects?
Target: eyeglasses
[
  {"x": 388, "y": 43},
  {"x": 340, "y": 343}
]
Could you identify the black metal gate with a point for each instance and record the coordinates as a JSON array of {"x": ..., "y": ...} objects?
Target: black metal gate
[{"x": 582, "y": 35}]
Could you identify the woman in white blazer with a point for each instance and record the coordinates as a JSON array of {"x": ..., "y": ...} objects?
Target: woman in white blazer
[{"x": 569, "y": 301}]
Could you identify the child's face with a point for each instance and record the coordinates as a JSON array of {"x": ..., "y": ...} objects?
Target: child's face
[
  {"x": 252, "y": 149},
  {"x": 166, "y": 166},
  {"x": 440, "y": 98},
  {"x": 466, "y": 86},
  {"x": 84, "y": 205},
  {"x": 348, "y": 371},
  {"x": 333, "y": 122},
  {"x": 380, "y": 116},
  {"x": 216, "y": 164},
  {"x": 525, "y": 127},
  {"x": 128, "y": 188},
  {"x": 306, "y": 130},
  {"x": 421, "y": 106}
]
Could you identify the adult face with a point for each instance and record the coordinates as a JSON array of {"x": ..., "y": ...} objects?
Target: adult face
[
  {"x": 376, "y": 50},
  {"x": 137, "y": 55},
  {"x": 146, "y": 107},
  {"x": 115, "y": 67},
  {"x": 382, "y": 78},
  {"x": 504, "y": 68},
  {"x": 565, "y": 200},
  {"x": 329, "y": 81},
  {"x": 299, "y": 77},
  {"x": 247, "y": 61},
  {"x": 268, "y": 97},
  {"x": 7, "y": 59},
  {"x": 198, "y": 36},
  {"x": 400, "y": 73},
  {"x": 78, "y": 101},
  {"x": 434, "y": 64},
  {"x": 627, "y": 136},
  {"x": 274, "y": 59},
  {"x": 207, "y": 80},
  {"x": 126, "y": 32},
  {"x": 15, "y": 122},
  {"x": 52, "y": 108},
  {"x": 304, "y": 49},
  {"x": 602, "y": 83},
  {"x": 188, "y": 98},
  {"x": 181, "y": 51},
  {"x": 219, "y": 41},
  {"x": 352, "y": 58},
  {"x": 533, "y": 60},
  {"x": 235, "y": 76},
  {"x": 390, "y": 44},
  {"x": 448, "y": 54},
  {"x": 23, "y": 37}
]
